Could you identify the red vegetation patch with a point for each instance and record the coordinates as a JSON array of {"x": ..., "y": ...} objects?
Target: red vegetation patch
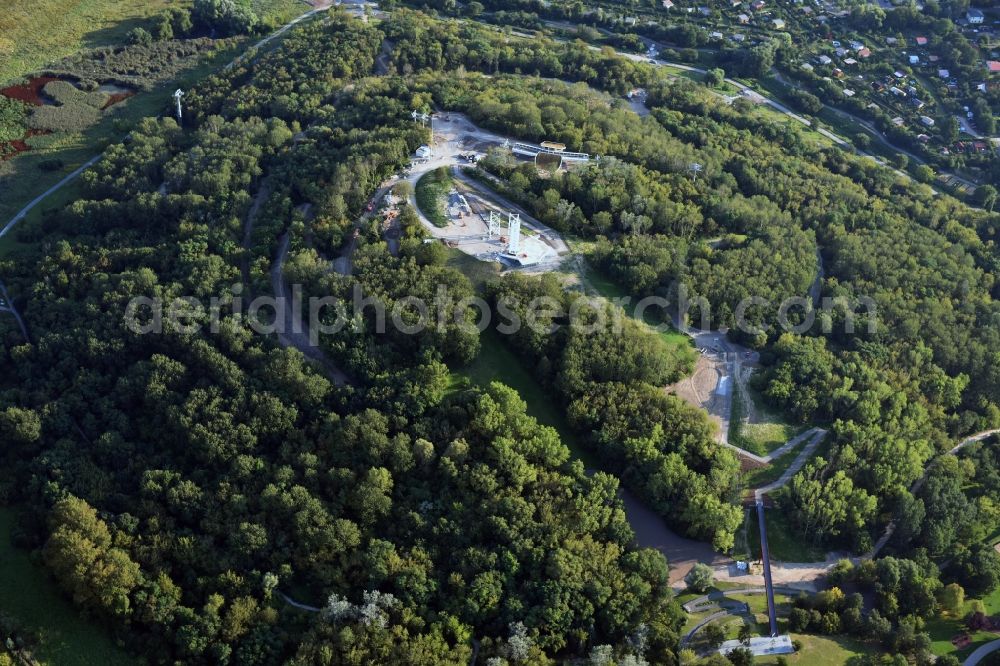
[
  {"x": 31, "y": 92},
  {"x": 116, "y": 98},
  {"x": 11, "y": 149}
]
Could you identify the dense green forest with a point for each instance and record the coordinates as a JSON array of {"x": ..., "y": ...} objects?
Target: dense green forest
[
  {"x": 182, "y": 484},
  {"x": 766, "y": 209}
]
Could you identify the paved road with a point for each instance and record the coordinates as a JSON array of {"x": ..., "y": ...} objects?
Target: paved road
[
  {"x": 55, "y": 188},
  {"x": 980, "y": 653}
]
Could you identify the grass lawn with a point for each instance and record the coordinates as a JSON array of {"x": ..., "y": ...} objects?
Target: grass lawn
[
  {"x": 432, "y": 195},
  {"x": 765, "y": 437},
  {"x": 822, "y": 651},
  {"x": 33, "y": 599},
  {"x": 786, "y": 542},
  {"x": 943, "y": 629},
  {"x": 36, "y": 32},
  {"x": 762, "y": 438},
  {"x": 678, "y": 344},
  {"x": 496, "y": 362},
  {"x": 764, "y": 475}
]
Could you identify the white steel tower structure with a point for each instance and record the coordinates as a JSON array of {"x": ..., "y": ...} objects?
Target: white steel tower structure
[
  {"x": 514, "y": 234},
  {"x": 494, "y": 229}
]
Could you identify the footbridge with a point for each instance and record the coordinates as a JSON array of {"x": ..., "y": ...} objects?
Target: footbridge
[{"x": 531, "y": 150}]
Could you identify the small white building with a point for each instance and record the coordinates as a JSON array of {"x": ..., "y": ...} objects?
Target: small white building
[
  {"x": 927, "y": 120},
  {"x": 944, "y": 73},
  {"x": 761, "y": 646},
  {"x": 914, "y": 60},
  {"x": 424, "y": 153},
  {"x": 779, "y": 24},
  {"x": 825, "y": 60}
]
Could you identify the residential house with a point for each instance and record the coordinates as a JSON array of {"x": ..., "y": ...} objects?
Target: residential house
[
  {"x": 914, "y": 60},
  {"x": 921, "y": 41},
  {"x": 865, "y": 52},
  {"x": 974, "y": 16},
  {"x": 848, "y": 92},
  {"x": 850, "y": 61},
  {"x": 743, "y": 19},
  {"x": 944, "y": 73},
  {"x": 758, "y": 5},
  {"x": 779, "y": 24},
  {"x": 668, "y": 4},
  {"x": 927, "y": 120},
  {"x": 993, "y": 66},
  {"x": 825, "y": 60}
]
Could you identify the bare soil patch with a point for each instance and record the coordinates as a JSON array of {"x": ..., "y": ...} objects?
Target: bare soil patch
[{"x": 700, "y": 389}]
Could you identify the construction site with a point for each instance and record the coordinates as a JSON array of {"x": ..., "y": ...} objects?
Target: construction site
[{"x": 477, "y": 220}]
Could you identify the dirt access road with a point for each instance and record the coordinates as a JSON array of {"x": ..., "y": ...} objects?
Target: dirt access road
[{"x": 292, "y": 330}]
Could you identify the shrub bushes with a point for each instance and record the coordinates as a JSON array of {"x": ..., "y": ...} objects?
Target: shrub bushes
[
  {"x": 76, "y": 111},
  {"x": 13, "y": 115}
]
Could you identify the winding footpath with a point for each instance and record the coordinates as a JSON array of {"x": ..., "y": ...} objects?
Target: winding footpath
[
  {"x": 815, "y": 433},
  {"x": 295, "y": 604},
  {"x": 919, "y": 483},
  {"x": 815, "y": 436},
  {"x": 8, "y": 306},
  {"x": 981, "y": 652},
  {"x": 291, "y": 330}
]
